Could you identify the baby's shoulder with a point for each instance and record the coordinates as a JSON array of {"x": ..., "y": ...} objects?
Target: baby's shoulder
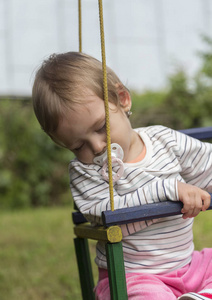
[{"x": 156, "y": 131}]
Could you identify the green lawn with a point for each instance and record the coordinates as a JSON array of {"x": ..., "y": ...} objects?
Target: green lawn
[{"x": 37, "y": 259}]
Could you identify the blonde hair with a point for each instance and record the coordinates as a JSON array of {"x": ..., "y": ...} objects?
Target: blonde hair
[{"x": 60, "y": 83}]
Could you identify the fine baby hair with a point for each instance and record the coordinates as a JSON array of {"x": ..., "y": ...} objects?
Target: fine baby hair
[{"x": 60, "y": 83}]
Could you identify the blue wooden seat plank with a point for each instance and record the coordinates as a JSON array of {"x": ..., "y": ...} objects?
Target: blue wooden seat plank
[
  {"x": 143, "y": 213},
  {"x": 78, "y": 218},
  {"x": 202, "y": 133}
]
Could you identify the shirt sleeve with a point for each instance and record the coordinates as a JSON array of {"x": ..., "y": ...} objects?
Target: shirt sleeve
[{"x": 195, "y": 159}]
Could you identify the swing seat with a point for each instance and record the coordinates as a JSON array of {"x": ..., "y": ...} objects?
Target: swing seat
[{"x": 111, "y": 233}]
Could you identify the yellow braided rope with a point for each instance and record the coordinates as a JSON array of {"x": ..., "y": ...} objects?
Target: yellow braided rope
[
  {"x": 105, "y": 90},
  {"x": 80, "y": 25}
]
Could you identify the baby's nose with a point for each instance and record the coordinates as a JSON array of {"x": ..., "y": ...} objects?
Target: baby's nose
[
  {"x": 97, "y": 144},
  {"x": 99, "y": 149}
]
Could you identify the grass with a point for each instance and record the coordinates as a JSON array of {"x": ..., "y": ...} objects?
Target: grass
[
  {"x": 37, "y": 259},
  {"x": 203, "y": 230}
]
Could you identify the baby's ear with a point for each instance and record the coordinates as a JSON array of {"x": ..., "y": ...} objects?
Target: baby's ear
[{"x": 124, "y": 97}]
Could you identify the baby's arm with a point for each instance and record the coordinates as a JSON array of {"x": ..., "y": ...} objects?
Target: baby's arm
[{"x": 194, "y": 199}]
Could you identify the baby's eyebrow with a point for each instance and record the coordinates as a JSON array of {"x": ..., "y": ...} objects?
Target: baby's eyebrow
[
  {"x": 99, "y": 120},
  {"x": 98, "y": 124}
]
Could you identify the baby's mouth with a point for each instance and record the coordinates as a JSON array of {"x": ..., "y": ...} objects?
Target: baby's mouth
[{"x": 101, "y": 153}]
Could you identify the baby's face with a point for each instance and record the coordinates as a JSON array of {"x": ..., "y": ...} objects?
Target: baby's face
[{"x": 83, "y": 130}]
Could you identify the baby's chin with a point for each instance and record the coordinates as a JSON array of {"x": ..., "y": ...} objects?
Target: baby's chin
[{"x": 85, "y": 162}]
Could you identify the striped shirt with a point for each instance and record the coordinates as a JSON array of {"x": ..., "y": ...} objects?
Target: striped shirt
[{"x": 153, "y": 246}]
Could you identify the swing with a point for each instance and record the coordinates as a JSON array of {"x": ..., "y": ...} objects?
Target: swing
[{"x": 110, "y": 232}]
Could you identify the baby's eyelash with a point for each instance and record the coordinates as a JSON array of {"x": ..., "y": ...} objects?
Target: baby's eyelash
[
  {"x": 103, "y": 128},
  {"x": 79, "y": 148}
]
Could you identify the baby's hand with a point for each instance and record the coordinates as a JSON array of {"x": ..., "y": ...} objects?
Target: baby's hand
[{"x": 194, "y": 199}]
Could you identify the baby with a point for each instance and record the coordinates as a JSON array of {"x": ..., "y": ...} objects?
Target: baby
[{"x": 152, "y": 164}]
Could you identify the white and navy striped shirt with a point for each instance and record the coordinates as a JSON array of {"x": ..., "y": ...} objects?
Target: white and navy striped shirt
[{"x": 154, "y": 246}]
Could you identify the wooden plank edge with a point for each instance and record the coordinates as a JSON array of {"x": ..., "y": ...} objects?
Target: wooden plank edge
[{"x": 112, "y": 234}]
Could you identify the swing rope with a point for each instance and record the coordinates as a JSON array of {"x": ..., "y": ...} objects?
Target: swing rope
[
  {"x": 105, "y": 91},
  {"x": 80, "y": 25},
  {"x": 106, "y": 102}
]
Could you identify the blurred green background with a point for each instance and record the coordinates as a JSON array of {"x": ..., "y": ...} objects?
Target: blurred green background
[{"x": 37, "y": 258}]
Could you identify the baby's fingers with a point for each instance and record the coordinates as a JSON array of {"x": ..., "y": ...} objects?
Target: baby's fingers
[
  {"x": 206, "y": 200},
  {"x": 192, "y": 206},
  {"x": 191, "y": 212}
]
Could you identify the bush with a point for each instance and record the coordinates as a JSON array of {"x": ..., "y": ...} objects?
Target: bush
[
  {"x": 34, "y": 171},
  {"x": 185, "y": 103}
]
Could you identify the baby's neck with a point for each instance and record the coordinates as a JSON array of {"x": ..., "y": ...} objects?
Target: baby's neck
[
  {"x": 138, "y": 149},
  {"x": 140, "y": 157}
]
